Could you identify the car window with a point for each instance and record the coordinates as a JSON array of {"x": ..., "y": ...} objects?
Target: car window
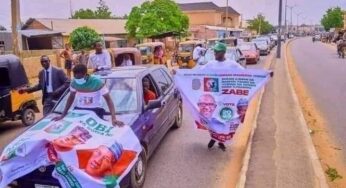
[
  {"x": 168, "y": 78},
  {"x": 160, "y": 80},
  {"x": 123, "y": 92}
]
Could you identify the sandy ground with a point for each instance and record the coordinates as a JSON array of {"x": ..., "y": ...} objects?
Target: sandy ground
[{"x": 329, "y": 154}]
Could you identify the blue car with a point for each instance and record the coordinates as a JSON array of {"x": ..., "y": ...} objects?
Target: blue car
[{"x": 150, "y": 120}]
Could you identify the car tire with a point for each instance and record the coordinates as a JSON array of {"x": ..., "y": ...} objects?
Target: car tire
[
  {"x": 138, "y": 172},
  {"x": 28, "y": 117},
  {"x": 179, "y": 118}
]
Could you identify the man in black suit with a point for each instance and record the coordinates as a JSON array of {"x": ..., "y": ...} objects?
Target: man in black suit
[{"x": 52, "y": 81}]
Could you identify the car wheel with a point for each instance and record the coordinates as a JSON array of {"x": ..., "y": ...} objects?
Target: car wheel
[
  {"x": 138, "y": 172},
  {"x": 179, "y": 118},
  {"x": 28, "y": 117}
]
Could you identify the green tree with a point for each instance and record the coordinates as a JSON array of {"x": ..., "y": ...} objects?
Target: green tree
[
  {"x": 333, "y": 19},
  {"x": 83, "y": 38},
  {"x": 260, "y": 25},
  {"x": 156, "y": 17},
  {"x": 101, "y": 12}
]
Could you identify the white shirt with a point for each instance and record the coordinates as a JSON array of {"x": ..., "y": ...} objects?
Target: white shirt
[
  {"x": 49, "y": 88},
  {"x": 102, "y": 60},
  {"x": 90, "y": 99},
  {"x": 197, "y": 52},
  {"x": 214, "y": 64},
  {"x": 126, "y": 63}
]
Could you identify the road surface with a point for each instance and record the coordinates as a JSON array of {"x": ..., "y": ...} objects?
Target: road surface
[
  {"x": 324, "y": 75},
  {"x": 181, "y": 160}
]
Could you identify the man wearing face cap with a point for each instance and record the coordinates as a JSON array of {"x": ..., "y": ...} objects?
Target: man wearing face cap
[{"x": 52, "y": 81}]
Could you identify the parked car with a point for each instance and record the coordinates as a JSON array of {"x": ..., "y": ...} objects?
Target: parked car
[
  {"x": 316, "y": 38},
  {"x": 150, "y": 122},
  {"x": 270, "y": 42},
  {"x": 263, "y": 45},
  {"x": 250, "y": 52},
  {"x": 232, "y": 53}
]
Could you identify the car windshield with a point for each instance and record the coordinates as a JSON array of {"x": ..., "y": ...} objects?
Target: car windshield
[
  {"x": 231, "y": 54},
  {"x": 260, "y": 42},
  {"x": 246, "y": 47},
  {"x": 186, "y": 48},
  {"x": 145, "y": 50},
  {"x": 123, "y": 92}
]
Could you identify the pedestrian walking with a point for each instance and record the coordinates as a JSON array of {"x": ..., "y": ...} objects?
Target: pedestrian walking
[
  {"x": 100, "y": 59},
  {"x": 83, "y": 58},
  {"x": 198, "y": 52},
  {"x": 52, "y": 81},
  {"x": 66, "y": 54}
]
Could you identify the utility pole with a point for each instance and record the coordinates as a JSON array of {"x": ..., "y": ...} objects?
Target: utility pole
[
  {"x": 278, "y": 53},
  {"x": 298, "y": 14},
  {"x": 16, "y": 25},
  {"x": 71, "y": 11},
  {"x": 226, "y": 18},
  {"x": 291, "y": 7},
  {"x": 260, "y": 25},
  {"x": 286, "y": 29}
]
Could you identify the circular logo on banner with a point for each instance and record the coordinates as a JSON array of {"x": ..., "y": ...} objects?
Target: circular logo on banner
[
  {"x": 226, "y": 113},
  {"x": 196, "y": 84}
]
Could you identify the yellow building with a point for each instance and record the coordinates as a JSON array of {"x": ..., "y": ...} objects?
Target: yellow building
[{"x": 208, "y": 13}]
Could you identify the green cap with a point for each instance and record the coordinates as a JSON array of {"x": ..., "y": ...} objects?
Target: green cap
[{"x": 220, "y": 47}]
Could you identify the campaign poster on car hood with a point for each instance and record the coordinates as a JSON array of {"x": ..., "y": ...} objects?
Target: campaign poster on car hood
[
  {"x": 218, "y": 99},
  {"x": 86, "y": 151}
]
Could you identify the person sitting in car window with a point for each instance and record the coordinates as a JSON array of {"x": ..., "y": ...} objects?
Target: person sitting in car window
[
  {"x": 147, "y": 93},
  {"x": 89, "y": 91}
]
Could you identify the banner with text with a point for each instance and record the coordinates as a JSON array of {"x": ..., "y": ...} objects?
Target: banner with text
[
  {"x": 218, "y": 99},
  {"x": 86, "y": 151}
]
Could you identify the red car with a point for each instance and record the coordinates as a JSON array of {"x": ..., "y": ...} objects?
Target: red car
[{"x": 250, "y": 52}]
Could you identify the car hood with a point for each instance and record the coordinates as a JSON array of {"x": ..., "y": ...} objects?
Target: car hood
[{"x": 249, "y": 52}]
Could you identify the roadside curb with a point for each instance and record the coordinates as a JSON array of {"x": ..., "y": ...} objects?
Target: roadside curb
[
  {"x": 316, "y": 164},
  {"x": 242, "y": 179}
]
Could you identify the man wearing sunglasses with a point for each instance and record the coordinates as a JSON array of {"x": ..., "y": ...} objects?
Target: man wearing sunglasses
[{"x": 52, "y": 81}]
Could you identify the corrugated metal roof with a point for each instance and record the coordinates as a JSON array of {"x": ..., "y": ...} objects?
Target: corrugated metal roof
[
  {"x": 38, "y": 32},
  {"x": 102, "y": 26},
  {"x": 198, "y": 6},
  {"x": 206, "y": 6}
]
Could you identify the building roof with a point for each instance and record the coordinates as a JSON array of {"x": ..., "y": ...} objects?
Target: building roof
[
  {"x": 66, "y": 26},
  {"x": 230, "y": 10},
  {"x": 38, "y": 32},
  {"x": 198, "y": 6},
  {"x": 206, "y": 6}
]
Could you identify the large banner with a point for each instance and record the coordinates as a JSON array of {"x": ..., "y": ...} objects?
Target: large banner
[
  {"x": 218, "y": 99},
  {"x": 86, "y": 151}
]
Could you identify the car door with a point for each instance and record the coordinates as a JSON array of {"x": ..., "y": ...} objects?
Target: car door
[{"x": 166, "y": 90}]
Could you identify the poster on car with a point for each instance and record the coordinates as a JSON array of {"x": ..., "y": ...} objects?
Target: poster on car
[
  {"x": 86, "y": 151},
  {"x": 218, "y": 99}
]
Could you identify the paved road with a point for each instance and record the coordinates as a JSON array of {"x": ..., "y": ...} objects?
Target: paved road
[
  {"x": 324, "y": 75},
  {"x": 181, "y": 160}
]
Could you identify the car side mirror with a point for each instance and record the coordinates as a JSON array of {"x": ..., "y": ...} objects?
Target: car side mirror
[
  {"x": 153, "y": 104},
  {"x": 242, "y": 58}
]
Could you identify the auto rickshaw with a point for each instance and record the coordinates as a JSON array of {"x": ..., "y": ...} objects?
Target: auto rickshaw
[
  {"x": 119, "y": 53},
  {"x": 229, "y": 41},
  {"x": 185, "y": 53},
  {"x": 147, "y": 51},
  {"x": 15, "y": 106}
]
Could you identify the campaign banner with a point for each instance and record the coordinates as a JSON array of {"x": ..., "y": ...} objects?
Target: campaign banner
[
  {"x": 218, "y": 99},
  {"x": 86, "y": 151}
]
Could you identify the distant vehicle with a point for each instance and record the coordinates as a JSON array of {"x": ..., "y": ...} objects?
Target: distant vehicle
[
  {"x": 232, "y": 53},
  {"x": 316, "y": 38},
  {"x": 271, "y": 43},
  {"x": 229, "y": 41},
  {"x": 150, "y": 122},
  {"x": 263, "y": 45},
  {"x": 274, "y": 38},
  {"x": 250, "y": 52}
]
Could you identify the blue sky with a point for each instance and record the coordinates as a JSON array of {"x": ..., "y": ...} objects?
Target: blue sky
[{"x": 312, "y": 9}]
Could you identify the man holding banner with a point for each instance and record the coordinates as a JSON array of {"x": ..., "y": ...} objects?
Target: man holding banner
[{"x": 218, "y": 93}]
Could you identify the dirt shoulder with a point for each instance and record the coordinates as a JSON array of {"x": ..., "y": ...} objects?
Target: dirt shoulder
[{"x": 330, "y": 156}]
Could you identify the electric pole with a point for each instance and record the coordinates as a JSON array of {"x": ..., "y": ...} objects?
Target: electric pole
[
  {"x": 226, "y": 18},
  {"x": 286, "y": 29},
  {"x": 278, "y": 53},
  {"x": 16, "y": 25}
]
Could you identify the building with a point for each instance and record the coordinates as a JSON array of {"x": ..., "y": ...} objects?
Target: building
[
  {"x": 111, "y": 30},
  {"x": 207, "y": 20},
  {"x": 344, "y": 19},
  {"x": 32, "y": 39}
]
